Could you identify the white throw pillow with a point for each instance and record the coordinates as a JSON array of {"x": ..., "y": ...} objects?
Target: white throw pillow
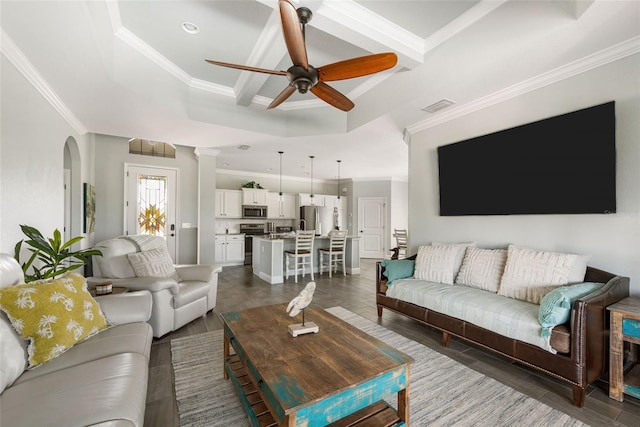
[
  {"x": 154, "y": 263},
  {"x": 462, "y": 247},
  {"x": 579, "y": 269},
  {"x": 529, "y": 275},
  {"x": 13, "y": 353},
  {"x": 482, "y": 268},
  {"x": 436, "y": 263}
]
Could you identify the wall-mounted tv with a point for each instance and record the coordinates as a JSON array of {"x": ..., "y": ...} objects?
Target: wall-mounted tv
[{"x": 561, "y": 165}]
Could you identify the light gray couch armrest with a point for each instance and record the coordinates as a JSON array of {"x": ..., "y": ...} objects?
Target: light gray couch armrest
[
  {"x": 201, "y": 272},
  {"x": 129, "y": 307},
  {"x": 151, "y": 284}
]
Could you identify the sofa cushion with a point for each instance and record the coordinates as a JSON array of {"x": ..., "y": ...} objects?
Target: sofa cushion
[
  {"x": 482, "y": 268},
  {"x": 112, "y": 389},
  {"x": 555, "y": 307},
  {"x": 190, "y": 291},
  {"x": 113, "y": 263},
  {"x": 53, "y": 315},
  {"x": 508, "y": 317},
  {"x": 398, "y": 269},
  {"x": 127, "y": 338},
  {"x": 529, "y": 275},
  {"x": 13, "y": 353},
  {"x": 436, "y": 263},
  {"x": 154, "y": 263}
]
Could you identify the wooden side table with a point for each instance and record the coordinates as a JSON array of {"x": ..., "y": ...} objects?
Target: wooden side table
[
  {"x": 115, "y": 290},
  {"x": 625, "y": 326}
]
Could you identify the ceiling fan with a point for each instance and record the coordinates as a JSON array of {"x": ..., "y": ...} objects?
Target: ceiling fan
[{"x": 303, "y": 76}]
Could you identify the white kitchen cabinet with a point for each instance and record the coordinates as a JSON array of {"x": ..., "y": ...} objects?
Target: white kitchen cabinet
[
  {"x": 228, "y": 204},
  {"x": 229, "y": 249},
  {"x": 307, "y": 200},
  {"x": 254, "y": 196},
  {"x": 281, "y": 209}
]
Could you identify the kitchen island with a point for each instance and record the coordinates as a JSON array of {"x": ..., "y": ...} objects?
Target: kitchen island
[{"x": 268, "y": 257}]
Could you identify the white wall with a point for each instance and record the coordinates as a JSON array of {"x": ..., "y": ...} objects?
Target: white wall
[
  {"x": 612, "y": 240},
  {"x": 33, "y": 135},
  {"x": 112, "y": 153}
]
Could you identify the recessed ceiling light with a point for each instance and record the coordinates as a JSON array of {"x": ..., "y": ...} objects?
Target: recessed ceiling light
[
  {"x": 226, "y": 164},
  {"x": 190, "y": 27}
]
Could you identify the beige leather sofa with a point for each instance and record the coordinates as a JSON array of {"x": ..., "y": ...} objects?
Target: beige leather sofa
[
  {"x": 100, "y": 381},
  {"x": 175, "y": 302}
]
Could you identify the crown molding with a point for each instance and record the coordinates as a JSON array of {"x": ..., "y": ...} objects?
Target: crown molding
[
  {"x": 272, "y": 176},
  {"x": 588, "y": 63},
  {"x": 28, "y": 71},
  {"x": 206, "y": 152},
  {"x": 462, "y": 22}
]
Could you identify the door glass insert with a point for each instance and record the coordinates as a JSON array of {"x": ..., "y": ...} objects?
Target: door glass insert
[{"x": 152, "y": 205}]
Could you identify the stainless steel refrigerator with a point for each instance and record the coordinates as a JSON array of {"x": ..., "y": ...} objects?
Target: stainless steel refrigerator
[{"x": 319, "y": 218}]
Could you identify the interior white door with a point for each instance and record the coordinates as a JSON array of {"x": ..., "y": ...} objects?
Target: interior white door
[
  {"x": 371, "y": 220},
  {"x": 150, "y": 202}
]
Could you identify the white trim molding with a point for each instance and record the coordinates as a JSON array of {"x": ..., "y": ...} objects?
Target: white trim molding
[
  {"x": 24, "y": 67},
  {"x": 582, "y": 65}
]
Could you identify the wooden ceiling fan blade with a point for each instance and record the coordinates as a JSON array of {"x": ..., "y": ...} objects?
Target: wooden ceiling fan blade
[
  {"x": 332, "y": 96},
  {"x": 286, "y": 93},
  {"x": 357, "y": 67},
  {"x": 247, "y": 68},
  {"x": 293, "y": 35}
]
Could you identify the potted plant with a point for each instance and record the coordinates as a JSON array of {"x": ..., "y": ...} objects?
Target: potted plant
[
  {"x": 55, "y": 257},
  {"x": 252, "y": 184}
]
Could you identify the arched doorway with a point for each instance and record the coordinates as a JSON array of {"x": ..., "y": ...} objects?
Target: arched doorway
[{"x": 73, "y": 189}]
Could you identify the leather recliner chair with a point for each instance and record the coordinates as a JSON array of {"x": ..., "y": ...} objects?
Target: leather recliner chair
[{"x": 175, "y": 302}]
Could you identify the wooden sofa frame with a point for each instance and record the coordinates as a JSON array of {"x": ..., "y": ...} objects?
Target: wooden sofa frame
[{"x": 589, "y": 332}]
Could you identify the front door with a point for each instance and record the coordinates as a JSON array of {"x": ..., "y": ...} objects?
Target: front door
[
  {"x": 150, "y": 202},
  {"x": 371, "y": 219}
]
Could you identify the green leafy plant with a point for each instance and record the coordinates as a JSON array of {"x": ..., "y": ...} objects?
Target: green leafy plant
[
  {"x": 252, "y": 184},
  {"x": 55, "y": 257}
]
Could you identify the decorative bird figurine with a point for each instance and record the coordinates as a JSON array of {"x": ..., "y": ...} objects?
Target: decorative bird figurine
[{"x": 302, "y": 300}]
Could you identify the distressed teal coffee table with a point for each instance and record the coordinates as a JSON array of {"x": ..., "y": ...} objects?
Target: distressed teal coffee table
[{"x": 338, "y": 376}]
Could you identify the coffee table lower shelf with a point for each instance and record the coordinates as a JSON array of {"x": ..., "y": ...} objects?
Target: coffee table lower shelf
[{"x": 380, "y": 414}]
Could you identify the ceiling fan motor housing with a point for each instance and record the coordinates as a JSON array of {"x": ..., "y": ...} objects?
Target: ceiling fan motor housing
[{"x": 302, "y": 79}]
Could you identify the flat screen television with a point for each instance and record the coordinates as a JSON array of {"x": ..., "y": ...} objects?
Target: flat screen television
[{"x": 560, "y": 165}]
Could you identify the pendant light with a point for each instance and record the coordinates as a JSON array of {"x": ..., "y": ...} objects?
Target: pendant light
[
  {"x": 338, "y": 178},
  {"x": 311, "y": 194},
  {"x": 280, "y": 193}
]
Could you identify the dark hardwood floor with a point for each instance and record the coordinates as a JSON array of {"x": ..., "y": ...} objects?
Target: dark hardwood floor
[{"x": 238, "y": 288}]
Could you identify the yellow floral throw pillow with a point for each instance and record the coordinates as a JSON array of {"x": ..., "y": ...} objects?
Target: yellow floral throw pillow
[{"x": 52, "y": 314}]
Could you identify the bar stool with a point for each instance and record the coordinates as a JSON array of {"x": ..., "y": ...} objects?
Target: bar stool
[
  {"x": 302, "y": 254},
  {"x": 335, "y": 252},
  {"x": 401, "y": 242}
]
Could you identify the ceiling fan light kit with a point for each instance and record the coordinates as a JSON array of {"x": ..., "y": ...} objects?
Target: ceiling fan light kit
[{"x": 304, "y": 77}]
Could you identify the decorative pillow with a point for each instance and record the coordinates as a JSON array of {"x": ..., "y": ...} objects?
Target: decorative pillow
[
  {"x": 398, "y": 269},
  {"x": 13, "y": 353},
  {"x": 579, "y": 269},
  {"x": 482, "y": 268},
  {"x": 154, "y": 263},
  {"x": 529, "y": 275},
  {"x": 53, "y": 315},
  {"x": 555, "y": 307},
  {"x": 462, "y": 247},
  {"x": 436, "y": 263}
]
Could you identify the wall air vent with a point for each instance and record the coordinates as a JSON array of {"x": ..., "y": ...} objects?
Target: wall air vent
[{"x": 437, "y": 106}]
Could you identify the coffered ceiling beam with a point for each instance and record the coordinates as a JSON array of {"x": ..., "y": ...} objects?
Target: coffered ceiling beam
[
  {"x": 267, "y": 53},
  {"x": 357, "y": 25}
]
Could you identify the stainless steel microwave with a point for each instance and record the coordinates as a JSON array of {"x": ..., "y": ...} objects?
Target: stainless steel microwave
[{"x": 254, "y": 212}]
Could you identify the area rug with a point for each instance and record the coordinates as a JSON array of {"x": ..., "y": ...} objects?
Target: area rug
[{"x": 443, "y": 391}]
